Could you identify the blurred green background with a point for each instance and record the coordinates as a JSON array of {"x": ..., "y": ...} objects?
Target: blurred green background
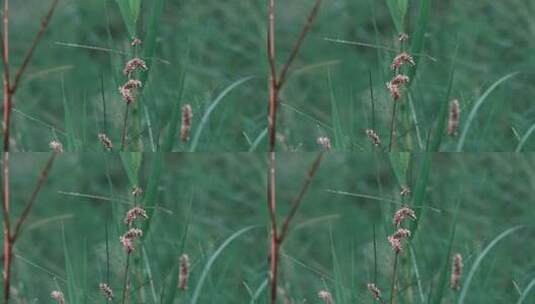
[
  {"x": 214, "y": 195},
  {"x": 225, "y": 41}
]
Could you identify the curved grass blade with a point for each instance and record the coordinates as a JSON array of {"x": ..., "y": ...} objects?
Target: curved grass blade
[
  {"x": 477, "y": 106},
  {"x": 480, "y": 258},
  {"x": 526, "y": 292},
  {"x": 211, "y": 108},
  {"x": 525, "y": 138},
  {"x": 418, "y": 37},
  {"x": 258, "y": 292},
  {"x": 212, "y": 259},
  {"x": 257, "y": 141}
]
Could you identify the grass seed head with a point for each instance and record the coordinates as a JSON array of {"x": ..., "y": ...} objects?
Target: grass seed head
[
  {"x": 326, "y": 297},
  {"x": 58, "y": 296},
  {"x": 56, "y": 146},
  {"x": 183, "y": 274},
  {"x": 402, "y": 214},
  {"x": 454, "y": 117},
  {"x": 402, "y": 59},
  {"x": 185, "y": 127},
  {"x": 105, "y": 141},
  {"x": 375, "y": 292},
  {"x": 374, "y": 138},
  {"x": 456, "y": 272},
  {"x": 325, "y": 142},
  {"x": 134, "y": 214},
  {"x": 134, "y": 65},
  {"x": 106, "y": 291}
]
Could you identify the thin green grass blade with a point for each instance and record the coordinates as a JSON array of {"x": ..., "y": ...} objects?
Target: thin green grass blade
[
  {"x": 172, "y": 132},
  {"x": 443, "y": 280},
  {"x": 68, "y": 121},
  {"x": 479, "y": 259},
  {"x": 418, "y": 37},
  {"x": 524, "y": 139},
  {"x": 70, "y": 276},
  {"x": 420, "y": 191},
  {"x": 400, "y": 165},
  {"x": 259, "y": 291},
  {"x": 440, "y": 123},
  {"x": 211, "y": 108},
  {"x": 476, "y": 108},
  {"x": 258, "y": 139},
  {"x": 132, "y": 164},
  {"x": 212, "y": 259},
  {"x": 335, "y": 116},
  {"x": 151, "y": 191},
  {"x": 130, "y": 13},
  {"x": 149, "y": 42},
  {"x": 526, "y": 292},
  {"x": 398, "y": 10}
]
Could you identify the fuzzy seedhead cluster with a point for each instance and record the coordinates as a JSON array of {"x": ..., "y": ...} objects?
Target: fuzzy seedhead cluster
[
  {"x": 183, "y": 273},
  {"x": 395, "y": 86},
  {"x": 185, "y": 127},
  {"x": 324, "y": 142}
]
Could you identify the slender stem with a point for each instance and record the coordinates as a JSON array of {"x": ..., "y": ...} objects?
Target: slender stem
[
  {"x": 274, "y": 245},
  {"x": 299, "y": 43},
  {"x": 394, "y": 272},
  {"x": 125, "y": 284},
  {"x": 29, "y": 54},
  {"x": 125, "y": 124},
  {"x": 273, "y": 87},
  {"x": 392, "y": 125},
  {"x": 297, "y": 201},
  {"x": 7, "y": 230},
  {"x": 42, "y": 179},
  {"x": 7, "y": 85}
]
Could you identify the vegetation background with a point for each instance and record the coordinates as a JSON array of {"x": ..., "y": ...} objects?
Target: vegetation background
[
  {"x": 215, "y": 44},
  {"x": 200, "y": 200}
]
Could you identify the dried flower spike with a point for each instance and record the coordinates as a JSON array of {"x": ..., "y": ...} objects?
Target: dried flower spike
[
  {"x": 129, "y": 96},
  {"x": 136, "y": 41},
  {"x": 325, "y": 142},
  {"x": 405, "y": 191},
  {"x": 58, "y": 296},
  {"x": 106, "y": 291},
  {"x": 454, "y": 117},
  {"x": 183, "y": 274},
  {"x": 127, "y": 240},
  {"x": 134, "y": 214},
  {"x": 394, "y": 90},
  {"x": 133, "y": 65},
  {"x": 395, "y": 244},
  {"x": 56, "y": 146},
  {"x": 185, "y": 127},
  {"x": 105, "y": 141},
  {"x": 400, "y": 80},
  {"x": 137, "y": 191},
  {"x": 402, "y": 214},
  {"x": 403, "y": 37},
  {"x": 376, "y": 293},
  {"x": 401, "y": 60},
  {"x": 374, "y": 138},
  {"x": 326, "y": 297},
  {"x": 456, "y": 272}
]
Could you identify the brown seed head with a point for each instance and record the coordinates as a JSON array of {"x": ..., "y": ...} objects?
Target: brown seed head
[
  {"x": 456, "y": 272},
  {"x": 374, "y": 138},
  {"x": 56, "y": 146},
  {"x": 376, "y": 293},
  {"x": 134, "y": 214},
  {"x": 106, "y": 291},
  {"x": 401, "y": 60},
  {"x": 133, "y": 65},
  {"x": 105, "y": 141},
  {"x": 324, "y": 142},
  {"x": 183, "y": 274},
  {"x": 454, "y": 117},
  {"x": 185, "y": 127},
  {"x": 402, "y": 214},
  {"x": 326, "y": 297},
  {"x": 58, "y": 296}
]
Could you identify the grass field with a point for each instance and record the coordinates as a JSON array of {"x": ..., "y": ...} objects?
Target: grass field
[
  {"x": 70, "y": 89},
  {"x": 71, "y": 241}
]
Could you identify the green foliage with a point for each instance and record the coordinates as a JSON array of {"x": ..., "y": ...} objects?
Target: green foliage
[
  {"x": 130, "y": 11},
  {"x": 398, "y": 10}
]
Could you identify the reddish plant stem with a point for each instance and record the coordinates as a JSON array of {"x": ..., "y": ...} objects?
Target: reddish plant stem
[
  {"x": 277, "y": 237},
  {"x": 276, "y": 82}
]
